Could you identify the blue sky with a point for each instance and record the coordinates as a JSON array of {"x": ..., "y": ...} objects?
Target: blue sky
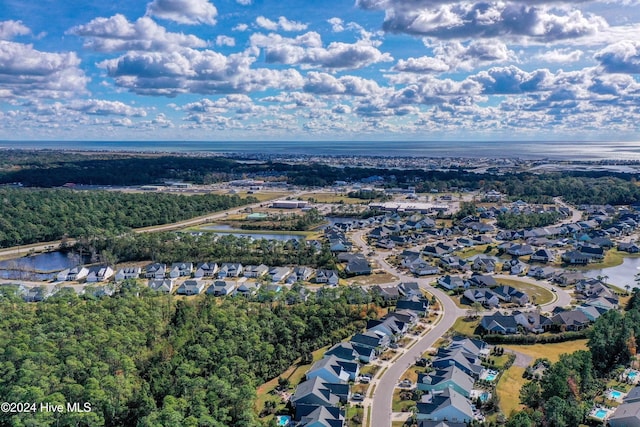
[{"x": 319, "y": 70}]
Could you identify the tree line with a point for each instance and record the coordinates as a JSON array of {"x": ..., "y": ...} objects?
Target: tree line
[
  {"x": 40, "y": 215},
  {"x": 145, "y": 359},
  {"x": 169, "y": 247}
]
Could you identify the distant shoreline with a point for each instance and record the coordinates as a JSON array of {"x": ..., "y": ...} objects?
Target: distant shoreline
[{"x": 527, "y": 150}]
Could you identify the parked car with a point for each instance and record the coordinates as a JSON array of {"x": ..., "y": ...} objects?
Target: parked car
[{"x": 357, "y": 396}]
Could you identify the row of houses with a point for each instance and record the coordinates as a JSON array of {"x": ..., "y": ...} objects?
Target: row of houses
[
  {"x": 596, "y": 299},
  {"x": 317, "y": 400},
  {"x": 448, "y": 387}
]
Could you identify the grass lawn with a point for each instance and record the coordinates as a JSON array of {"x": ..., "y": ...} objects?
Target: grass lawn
[
  {"x": 612, "y": 258},
  {"x": 354, "y": 416},
  {"x": 465, "y": 326},
  {"x": 536, "y": 293},
  {"x": 399, "y": 405},
  {"x": 549, "y": 351},
  {"x": 508, "y": 389},
  {"x": 370, "y": 370}
]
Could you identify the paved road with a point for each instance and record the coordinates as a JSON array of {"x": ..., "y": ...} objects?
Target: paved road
[{"x": 381, "y": 404}]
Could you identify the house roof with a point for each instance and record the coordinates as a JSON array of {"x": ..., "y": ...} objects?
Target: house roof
[
  {"x": 446, "y": 399},
  {"x": 314, "y": 390}
]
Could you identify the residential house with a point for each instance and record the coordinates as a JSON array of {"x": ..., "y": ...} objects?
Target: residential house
[
  {"x": 221, "y": 288},
  {"x": 314, "y": 392},
  {"x": 446, "y": 405},
  {"x": 543, "y": 255},
  {"x": 247, "y": 288},
  {"x": 162, "y": 285},
  {"x": 70, "y": 274},
  {"x": 482, "y": 295},
  {"x": 230, "y": 269},
  {"x": 453, "y": 282},
  {"x": 206, "y": 269},
  {"x": 628, "y": 413},
  {"x": 358, "y": 265},
  {"x": 514, "y": 266},
  {"x": 377, "y": 342},
  {"x": 351, "y": 352},
  {"x": 630, "y": 247},
  {"x": 319, "y": 416},
  {"x": 573, "y": 320},
  {"x": 180, "y": 269},
  {"x": 454, "y": 262},
  {"x": 499, "y": 323},
  {"x": 300, "y": 274},
  {"x": 441, "y": 379},
  {"x": 333, "y": 370},
  {"x": 487, "y": 265},
  {"x": 330, "y": 277},
  {"x": 540, "y": 272},
  {"x": 510, "y": 294},
  {"x": 100, "y": 291},
  {"x": 576, "y": 258},
  {"x": 127, "y": 273},
  {"x": 418, "y": 305},
  {"x": 388, "y": 293},
  {"x": 593, "y": 251},
  {"x": 482, "y": 280},
  {"x": 388, "y": 326},
  {"x": 100, "y": 273},
  {"x": 155, "y": 271},
  {"x": 191, "y": 287},
  {"x": 255, "y": 271},
  {"x": 410, "y": 289},
  {"x": 520, "y": 250},
  {"x": 567, "y": 277},
  {"x": 278, "y": 274}
]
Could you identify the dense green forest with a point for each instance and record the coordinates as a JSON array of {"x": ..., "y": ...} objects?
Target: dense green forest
[
  {"x": 511, "y": 221},
  {"x": 565, "y": 393},
  {"x": 143, "y": 359},
  {"x": 181, "y": 247},
  {"x": 51, "y": 168},
  {"x": 40, "y": 215}
]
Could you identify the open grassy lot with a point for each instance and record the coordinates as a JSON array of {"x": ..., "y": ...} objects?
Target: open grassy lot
[
  {"x": 381, "y": 278},
  {"x": 549, "y": 351},
  {"x": 400, "y": 405},
  {"x": 536, "y": 293},
  {"x": 508, "y": 389},
  {"x": 465, "y": 326}
]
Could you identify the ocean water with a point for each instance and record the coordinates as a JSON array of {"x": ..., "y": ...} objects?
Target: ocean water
[{"x": 553, "y": 150}]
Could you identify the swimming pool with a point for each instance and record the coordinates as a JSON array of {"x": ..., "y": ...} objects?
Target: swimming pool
[
  {"x": 632, "y": 375},
  {"x": 485, "y": 396},
  {"x": 600, "y": 414},
  {"x": 283, "y": 420},
  {"x": 615, "y": 394}
]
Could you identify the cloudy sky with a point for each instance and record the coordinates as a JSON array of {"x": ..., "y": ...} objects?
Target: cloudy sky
[{"x": 319, "y": 70}]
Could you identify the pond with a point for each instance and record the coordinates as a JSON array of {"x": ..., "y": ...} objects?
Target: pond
[
  {"x": 227, "y": 229},
  {"x": 620, "y": 275},
  {"x": 38, "y": 267}
]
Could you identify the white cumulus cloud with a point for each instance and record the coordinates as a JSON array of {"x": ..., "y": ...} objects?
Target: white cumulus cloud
[{"x": 190, "y": 12}]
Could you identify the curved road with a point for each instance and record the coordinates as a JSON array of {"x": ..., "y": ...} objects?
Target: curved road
[{"x": 380, "y": 402}]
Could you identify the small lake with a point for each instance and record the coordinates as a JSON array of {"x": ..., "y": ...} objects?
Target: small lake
[
  {"x": 38, "y": 267},
  {"x": 621, "y": 275},
  {"x": 227, "y": 229}
]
